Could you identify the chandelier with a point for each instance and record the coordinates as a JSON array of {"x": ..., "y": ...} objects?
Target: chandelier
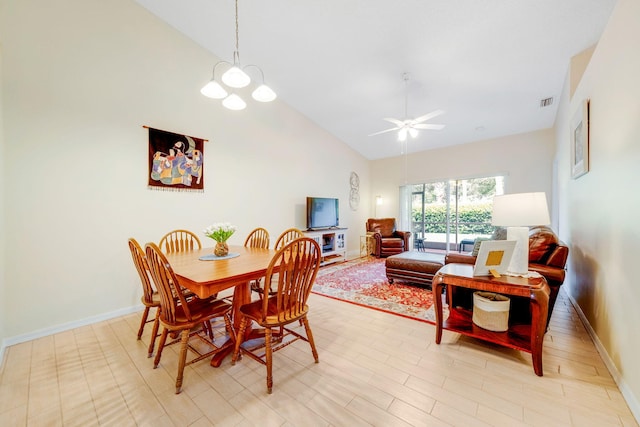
[{"x": 235, "y": 78}]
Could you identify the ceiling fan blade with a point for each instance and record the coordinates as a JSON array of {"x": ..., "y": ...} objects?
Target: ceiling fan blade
[
  {"x": 427, "y": 126},
  {"x": 396, "y": 122},
  {"x": 426, "y": 117},
  {"x": 384, "y": 131}
]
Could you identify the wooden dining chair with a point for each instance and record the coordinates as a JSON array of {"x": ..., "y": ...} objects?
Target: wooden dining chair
[
  {"x": 297, "y": 265},
  {"x": 150, "y": 298},
  {"x": 179, "y": 315},
  {"x": 179, "y": 241},
  {"x": 285, "y": 237},
  {"x": 258, "y": 238}
]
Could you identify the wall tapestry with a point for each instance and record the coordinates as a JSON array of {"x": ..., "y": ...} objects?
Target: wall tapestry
[{"x": 175, "y": 161}]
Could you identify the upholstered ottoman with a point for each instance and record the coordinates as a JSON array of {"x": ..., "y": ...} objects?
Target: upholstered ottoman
[{"x": 413, "y": 267}]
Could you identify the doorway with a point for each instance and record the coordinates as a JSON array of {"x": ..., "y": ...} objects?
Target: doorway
[{"x": 449, "y": 215}]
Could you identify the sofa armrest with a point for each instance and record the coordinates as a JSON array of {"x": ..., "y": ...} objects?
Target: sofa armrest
[
  {"x": 558, "y": 257},
  {"x": 377, "y": 238},
  {"x": 404, "y": 235},
  {"x": 553, "y": 275},
  {"x": 459, "y": 258}
]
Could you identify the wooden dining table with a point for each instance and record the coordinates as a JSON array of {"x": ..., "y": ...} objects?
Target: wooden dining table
[{"x": 207, "y": 278}]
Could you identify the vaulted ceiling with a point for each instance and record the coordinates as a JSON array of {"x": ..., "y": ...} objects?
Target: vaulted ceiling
[{"x": 486, "y": 63}]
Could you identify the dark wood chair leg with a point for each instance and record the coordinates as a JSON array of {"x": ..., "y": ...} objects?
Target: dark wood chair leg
[{"x": 145, "y": 314}]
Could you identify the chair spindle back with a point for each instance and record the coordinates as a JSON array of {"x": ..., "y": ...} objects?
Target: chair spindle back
[
  {"x": 140, "y": 261},
  {"x": 172, "y": 298},
  {"x": 287, "y": 236},
  {"x": 179, "y": 241},
  {"x": 258, "y": 238}
]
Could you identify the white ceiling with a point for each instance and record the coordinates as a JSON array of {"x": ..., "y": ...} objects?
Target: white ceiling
[{"x": 487, "y": 63}]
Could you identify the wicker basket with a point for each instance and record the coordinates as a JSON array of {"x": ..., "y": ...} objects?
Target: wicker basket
[{"x": 491, "y": 311}]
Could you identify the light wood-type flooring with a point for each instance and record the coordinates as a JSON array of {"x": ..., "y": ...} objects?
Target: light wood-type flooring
[{"x": 375, "y": 369}]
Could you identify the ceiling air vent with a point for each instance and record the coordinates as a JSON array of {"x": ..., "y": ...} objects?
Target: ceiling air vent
[{"x": 546, "y": 102}]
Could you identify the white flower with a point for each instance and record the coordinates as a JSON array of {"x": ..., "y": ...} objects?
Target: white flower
[{"x": 220, "y": 231}]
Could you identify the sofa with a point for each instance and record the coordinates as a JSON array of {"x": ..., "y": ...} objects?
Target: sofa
[
  {"x": 387, "y": 240},
  {"x": 547, "y": 256}
]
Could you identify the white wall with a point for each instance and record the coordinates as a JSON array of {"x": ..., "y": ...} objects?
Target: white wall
[
  {"x": 600, "y": 211},
  {"x": 3, "y": 227},
  {"x": 526, "y": 159},
  {"x": 79, "y": 80}
]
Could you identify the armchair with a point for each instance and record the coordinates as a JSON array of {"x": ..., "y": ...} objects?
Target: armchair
[
  {"x": 388, "y": 240},
  {"x": 547, "y": 256}
]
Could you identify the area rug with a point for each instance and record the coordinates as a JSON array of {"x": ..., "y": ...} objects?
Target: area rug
[{"x": 364, "y": 282}]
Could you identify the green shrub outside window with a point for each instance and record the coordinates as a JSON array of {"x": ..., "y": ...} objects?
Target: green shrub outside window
[{"x": 472, "y": 219}]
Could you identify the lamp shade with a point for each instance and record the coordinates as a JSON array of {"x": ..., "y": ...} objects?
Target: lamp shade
[
  {"x": 235, "y": 77},
  {"x": 520, "y": 209},
  {"x": 213, "y": 90},
  {"x": 234, "y": 102},
  {"x": 263, "y": 93}
]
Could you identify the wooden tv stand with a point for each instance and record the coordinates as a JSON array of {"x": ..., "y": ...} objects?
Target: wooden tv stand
[
  {"x": 333, "y": 243},
  {"x": 526, "y": 337}
]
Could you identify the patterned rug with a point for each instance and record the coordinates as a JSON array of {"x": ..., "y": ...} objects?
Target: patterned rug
[{"x": 364, "y": 282}]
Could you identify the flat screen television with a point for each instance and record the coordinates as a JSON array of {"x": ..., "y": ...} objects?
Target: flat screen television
[{"x": 322, "y": 212}]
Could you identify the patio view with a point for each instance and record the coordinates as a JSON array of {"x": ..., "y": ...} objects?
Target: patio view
[{"x": 449, "y": 215}]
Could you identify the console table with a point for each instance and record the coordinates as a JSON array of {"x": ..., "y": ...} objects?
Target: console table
[
  {"x": 333, "y": 243},
  {"x": 526, "y": 337}
]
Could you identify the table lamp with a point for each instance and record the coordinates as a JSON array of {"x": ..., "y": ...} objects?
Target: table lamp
[{"x": 517, "y": 212}]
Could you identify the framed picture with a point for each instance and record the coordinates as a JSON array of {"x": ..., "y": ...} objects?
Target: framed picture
[
  {"x": 580, "y": 141},
  {"x": 494, "y": 255}
]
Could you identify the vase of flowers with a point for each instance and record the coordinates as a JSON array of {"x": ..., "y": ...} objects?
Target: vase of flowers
[
  {"x": 221, "y": 249},
  {"x": 220, "y": 232}
]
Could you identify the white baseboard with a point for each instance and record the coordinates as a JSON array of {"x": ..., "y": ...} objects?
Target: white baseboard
[
  {"x": 627, "y": 393},
  {"x": 63, "y": 327},
  {"x": 2, "y": 348}
]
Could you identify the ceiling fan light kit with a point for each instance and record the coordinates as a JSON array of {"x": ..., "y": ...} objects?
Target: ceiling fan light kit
[
  {"x": 402, "y": 134},
  {"x": 410, "y": 126},
  {"x": 235, "y": 77}
]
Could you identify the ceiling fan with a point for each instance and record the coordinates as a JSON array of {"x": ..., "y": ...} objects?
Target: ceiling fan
[{"x": 411, "y": 126}]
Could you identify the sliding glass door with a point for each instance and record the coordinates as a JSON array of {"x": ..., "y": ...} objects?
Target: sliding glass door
[{"x": 449, "y": 215}]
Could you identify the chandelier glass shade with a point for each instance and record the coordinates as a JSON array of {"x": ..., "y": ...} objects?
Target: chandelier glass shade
[
  {"x": 235, "y": 77},
  {"x": 263, "y": 93},
  {"x": 214, "y": 90},
  {"x": 234, "y": 102}
]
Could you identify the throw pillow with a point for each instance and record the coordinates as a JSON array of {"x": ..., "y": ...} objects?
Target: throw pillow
[{"x": 476, "y": 245}]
